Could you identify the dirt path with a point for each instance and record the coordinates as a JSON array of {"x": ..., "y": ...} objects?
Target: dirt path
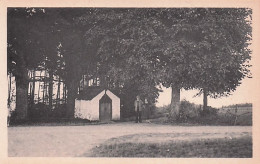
[{"x": 70, "y": 141}]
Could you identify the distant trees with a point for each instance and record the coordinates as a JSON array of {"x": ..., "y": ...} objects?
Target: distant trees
[{"x": 131, "y": 50}]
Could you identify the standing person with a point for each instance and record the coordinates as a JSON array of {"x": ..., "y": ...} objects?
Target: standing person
[
  {"x": 138, "y": 109},
  {"x": 147, "y": 108}
]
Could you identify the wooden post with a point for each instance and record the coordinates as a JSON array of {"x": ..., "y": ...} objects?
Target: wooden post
[{"x": 235, "y": 116}]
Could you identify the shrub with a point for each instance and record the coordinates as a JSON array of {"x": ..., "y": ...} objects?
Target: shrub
[
  {"x": 194, "y": 114},
  {"x": 42, "y": 111},
  {"x": 188, "y": 111},
  {"x": 209, "y": 112},
  {"x": 38, "y": 111},
  {"x": 59, "y": 111},
  {"x": 12, "y": 117},
  {"x": 127, "y": 113}
]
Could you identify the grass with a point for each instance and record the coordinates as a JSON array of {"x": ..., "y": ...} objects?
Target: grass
[{"x": 206, "y": 148}]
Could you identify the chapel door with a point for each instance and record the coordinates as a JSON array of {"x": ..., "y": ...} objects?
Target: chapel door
[{"x": 105, "y": 109}]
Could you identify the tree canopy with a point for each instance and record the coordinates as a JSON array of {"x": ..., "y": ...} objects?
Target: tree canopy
[{"x": 208, "y": 50}]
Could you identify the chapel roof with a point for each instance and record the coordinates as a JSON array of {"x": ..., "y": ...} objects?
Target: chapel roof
[{"x": 89, "y": 93}]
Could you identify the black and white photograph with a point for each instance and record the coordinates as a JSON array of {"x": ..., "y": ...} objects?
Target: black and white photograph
[{"x": 130, "y": 82}]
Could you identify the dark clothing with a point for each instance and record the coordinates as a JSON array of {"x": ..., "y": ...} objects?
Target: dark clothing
[
  {"x": 139, "y": 105},
  {"x": 138, "y": 116},
  {"x": 138, "y": 110}
]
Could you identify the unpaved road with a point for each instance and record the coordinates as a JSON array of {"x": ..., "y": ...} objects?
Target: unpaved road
[{"x": 71, "y": 141}]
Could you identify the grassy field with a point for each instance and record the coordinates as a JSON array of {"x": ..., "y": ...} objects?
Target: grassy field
[{"x": 205, "y": 148}]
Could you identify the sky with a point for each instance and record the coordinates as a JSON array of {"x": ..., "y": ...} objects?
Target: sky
[{"x": 241, "y": 95}]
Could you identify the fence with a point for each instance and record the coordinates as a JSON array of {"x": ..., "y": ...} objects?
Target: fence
[{"x": 237, "y": 113}]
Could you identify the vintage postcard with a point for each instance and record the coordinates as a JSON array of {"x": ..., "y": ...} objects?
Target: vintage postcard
[{"x": 130, "y": 81}]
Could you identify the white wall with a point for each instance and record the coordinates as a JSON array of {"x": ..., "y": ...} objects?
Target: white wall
[
  {"x": 115, "y": 105},
  {"x": 90, "y": 109},
  {"x": 95, "y": 105},
  {"x": 77, "y": 109},
  {"x": 82, "y": 109}
]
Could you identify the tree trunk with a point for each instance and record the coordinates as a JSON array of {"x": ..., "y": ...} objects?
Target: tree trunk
[
  {"x": 9, "y": 89},
  {"x": 21, "y": 97},
  {"x": 175, "y": 102},
  {"x": 103, "y": 82},
  {"x": 33, "y": 88},
  {"x": 39, "y": 88},
  {"x": 58, "y": 94},
  {"x": 205, "y": 100},
  {"x": 50, "y": 88},
  {"x": 65, "y": 94},
  {"x": 72, "y": 93},
  {"x": 44, "y": 90}
]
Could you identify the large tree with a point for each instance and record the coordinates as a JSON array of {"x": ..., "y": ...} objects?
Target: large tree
[
  {"x": 129, "y": 50},
  {"x": 207, "y": 49},
  {"x": 224, "y": 51},
  {"x": 36, "y": 35},
  {"x": 177, "y": 61},
  {"x": 26, "y": 37},
  {"x": 78, "y": 52}
]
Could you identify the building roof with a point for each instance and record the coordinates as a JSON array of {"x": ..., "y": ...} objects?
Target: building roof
[{"x": 89, "y": 93}]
